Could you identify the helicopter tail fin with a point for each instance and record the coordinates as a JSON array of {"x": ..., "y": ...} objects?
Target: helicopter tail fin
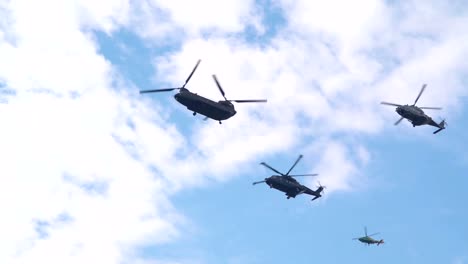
[
  {"x": 441, "y": 127},
  {"x": 380, "y": 242}
]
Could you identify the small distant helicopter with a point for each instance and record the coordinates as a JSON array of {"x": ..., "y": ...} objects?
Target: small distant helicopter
[
  {"x": 368, "y": 239},
  {"x": 221, "y": 110},
  {"x": 287, "y": 184},
  {"x": 416, "y": 115}
]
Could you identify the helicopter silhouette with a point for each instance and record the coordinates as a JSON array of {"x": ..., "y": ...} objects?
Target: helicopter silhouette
[
  {"x": 416, "y": 115},
  {"x": 287, "y": 184},
  {"x": 220, "y": 110},
  {"x": 368, "y": 238}
]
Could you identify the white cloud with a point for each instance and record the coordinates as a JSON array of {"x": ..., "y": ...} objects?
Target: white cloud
[
  {"x": 195, "y": 16},
  {"x": 99, "y": 164},
  {"x": 106, "y": 15},
  {"x": 319, "y": 86},
  {"x": 60, "y": 155},
  {"x": 170, "y": 21},
  {"x": 337, "y": 170}
]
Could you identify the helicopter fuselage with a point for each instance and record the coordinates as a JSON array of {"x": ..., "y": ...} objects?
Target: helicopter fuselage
[
  {"x": 415, "y": 115},
  {"x": 289, "y": 186},
  {"x": 221, "y": 110},
  {"x": 370, "y": 240}
]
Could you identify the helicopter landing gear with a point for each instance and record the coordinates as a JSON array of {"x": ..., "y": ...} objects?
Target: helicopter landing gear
[
  {"x": 194, "y": 113},
  {"x": 220, "y": 122}
]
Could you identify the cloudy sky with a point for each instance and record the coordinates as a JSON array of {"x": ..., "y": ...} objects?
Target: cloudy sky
[{"x": 93, "y": 172}]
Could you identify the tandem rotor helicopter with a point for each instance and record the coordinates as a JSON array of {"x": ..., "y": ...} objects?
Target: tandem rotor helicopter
[
  {"x": 368, "y": 239},
  {"x": 287, "y": 184},
  {"x": 220, "y": 110},
  {"x": 416, "y": 115}
]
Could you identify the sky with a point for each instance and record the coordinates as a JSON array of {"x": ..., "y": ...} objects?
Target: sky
[{"x": 94, "y": 172}]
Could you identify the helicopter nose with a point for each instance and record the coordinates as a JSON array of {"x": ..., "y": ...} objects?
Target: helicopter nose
[{"x": 177, "y": 97}]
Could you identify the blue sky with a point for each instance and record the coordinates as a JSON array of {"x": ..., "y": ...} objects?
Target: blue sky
[
  {"x": 413, "y": 195},
  {"x": 118, "y": 177}
]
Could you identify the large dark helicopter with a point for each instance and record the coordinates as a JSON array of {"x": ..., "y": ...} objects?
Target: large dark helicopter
[
  {"x": 221, "y": 110},
  {"x": 416, "y": 115},
  {"x": 367, "y": 239},
  {"x": 287, "y": 184}
]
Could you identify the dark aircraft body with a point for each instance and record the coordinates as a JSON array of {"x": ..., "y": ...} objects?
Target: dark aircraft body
[
  {"x": 291, "y": 187},
  {"x": 369, "y": 240},
  {"x": 287, "y": 184},
  {"x": 416, "y": 115},
  {"x": 220, "y": 110}
]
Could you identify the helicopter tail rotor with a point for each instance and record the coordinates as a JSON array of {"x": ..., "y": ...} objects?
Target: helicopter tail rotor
[
  {"x": 318, "y": 193},
  {"x": 321, "y": 188},
  {"x": 442, "y": 125},
  {"x": 381, "y": 241}
]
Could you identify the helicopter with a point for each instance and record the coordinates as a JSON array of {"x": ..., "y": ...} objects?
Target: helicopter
[
  {"x": 416, "y": 115},
  {"x": 287, "y": 184},
  {"x": 368, "y": 239},
  {"x": 220, "y": 110}
]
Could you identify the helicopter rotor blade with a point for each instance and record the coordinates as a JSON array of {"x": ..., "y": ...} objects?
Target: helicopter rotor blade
[
  {"x": 268, "y": 166},
  {"x": 373, "y": 234},
  {"x": 303, "y": 175},
  {"x": 219, "y": 87},
  {"x": 392, "y": 104},
  {"x": 433, "y": 108},
  {"x": 254, "y": 183},
  {"x": 420, "y": 93},
  {"x": 295, "y": 163},
  {"x": 365, "y": 230},
  {"x": 158, "y": 90},
  {"x": 398, "y": 121},
  {"x": 250, "y": 101},
  {"x": 190, "y": 76}
]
